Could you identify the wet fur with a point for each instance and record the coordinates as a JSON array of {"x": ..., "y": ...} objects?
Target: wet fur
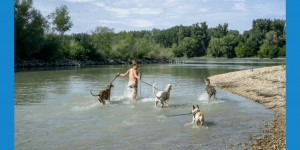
[
  {"x": 103, "y": 94},
  {"x": 198, "y": 116},
  {"x": 163, "y": 96},
  {"x": 211, "y": 91}
]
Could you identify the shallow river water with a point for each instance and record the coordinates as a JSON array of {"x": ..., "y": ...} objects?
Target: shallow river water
[{"x": 54, "y": 109}]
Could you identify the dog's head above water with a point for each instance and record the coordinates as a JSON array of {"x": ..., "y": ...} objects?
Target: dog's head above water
[
  {"x": 207, "y": 82},
  {"x": 195, "y": 109},
  {"x": 110, "y": 86},
  {"x": 168, "y": 87}
]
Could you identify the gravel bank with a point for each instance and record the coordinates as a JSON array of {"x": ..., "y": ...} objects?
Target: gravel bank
[{"x": 266, "y": 86}]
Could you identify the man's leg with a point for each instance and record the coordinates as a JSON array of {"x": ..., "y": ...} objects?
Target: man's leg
[{"x": 133, "y": 93}]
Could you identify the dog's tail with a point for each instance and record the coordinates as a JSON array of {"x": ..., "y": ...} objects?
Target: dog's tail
[
  {"x": 92, "y": 93},
  {"x": 153, "y": 88}
]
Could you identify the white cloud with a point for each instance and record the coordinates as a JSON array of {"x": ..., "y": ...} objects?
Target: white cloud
[
  {"x": 124, "y": 12},
  {"x": 109, "y": 21},
  {"x": 80, "y": 1},
  {"x": 141, "y": 23},
  {"x": 202, "y": 10},
  {"x": 174, "y": 17},
  {"x": 147, "y": 11},
  {"x": 142, "y": 14},
  {"x": 240, "y": 5}
]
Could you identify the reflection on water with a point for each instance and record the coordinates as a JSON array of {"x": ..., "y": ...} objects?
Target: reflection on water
[{"x": 54, "y": 110}]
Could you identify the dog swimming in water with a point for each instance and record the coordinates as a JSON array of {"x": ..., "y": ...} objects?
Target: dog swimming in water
[
  {"x": 198, "y": 116},
  {"x": 211, "y": 91},
  {"x": 103, "y": 94},
  {"x": 162, "y": 96}
]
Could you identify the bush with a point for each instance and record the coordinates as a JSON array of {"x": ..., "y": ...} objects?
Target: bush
[
  {"x": 268, "y": 51},
  {"x": 51, "y": 49},
  {"x": 242, "y": 50}
]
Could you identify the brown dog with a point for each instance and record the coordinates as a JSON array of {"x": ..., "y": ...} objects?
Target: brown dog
[
  {"x": 211, "y": 91},
  {"x": 104, "y": 94}
]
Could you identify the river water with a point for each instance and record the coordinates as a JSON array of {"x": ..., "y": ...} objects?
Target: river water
[{"x": 54, "y": 109}]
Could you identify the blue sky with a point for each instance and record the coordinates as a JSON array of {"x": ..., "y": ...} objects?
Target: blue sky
[{"x": 126, "y": 15}]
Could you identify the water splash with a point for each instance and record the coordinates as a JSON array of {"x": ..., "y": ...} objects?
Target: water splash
[
  {"x": 203, "y": 98},
  {"x": 194, "y": 126},
  {"x": 188, "y": 124},
  {"x": 161, "y": 116},
  {"x": 147, "y": 99},
  {"x": 86, "y": 107}
]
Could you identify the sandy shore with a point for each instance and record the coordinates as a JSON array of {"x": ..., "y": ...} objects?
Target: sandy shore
[{"x": 265, "y": 86}]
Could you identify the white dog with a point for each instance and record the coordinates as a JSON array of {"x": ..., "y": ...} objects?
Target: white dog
[
  {"x": 162, "y": 96},
  {"x": 198, "y": 116}
]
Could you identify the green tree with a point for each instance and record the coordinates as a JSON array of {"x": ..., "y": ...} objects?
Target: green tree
[
  {"x": 76, "y": 51},
  {"x": 125, "y": 46},
  {"x": 183, "y": 32},
  {"x": 166, "y": 37},
  {"x": 102, "y": 39},
  {"x": 200, "y": 34},
  {"x": 243, "y": 50},
  {"x": 84, "y": 40},
  {"x": 177, "y": 51},
  {"x": 29, "y": 29},
  {"x": 282, "y": 51},
  {"x": 219, "y": 47},
  {"x": 143, "y": 48},
  {"x": 187, "y": 47},
  {"x": 255, "y": 36},
  {"x": 278, "y": 26},
  {"x": 61, "y": 19},
  {"x": 231, "y": 41},
  {"x": 219, "y": 31},
  {"x": 51, "y": 49},
  {"x": 270, "y": 46},
  {"x": 216, "y": 47}
]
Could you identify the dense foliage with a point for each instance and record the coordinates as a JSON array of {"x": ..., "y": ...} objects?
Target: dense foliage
[{"x": 44, "y": 38}]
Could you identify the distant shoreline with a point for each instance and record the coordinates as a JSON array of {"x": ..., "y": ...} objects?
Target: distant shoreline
[
  {"x": 266, "y": 86},
  {"x": 67, "y": 62},
  {"x": 35, "y": 63}
]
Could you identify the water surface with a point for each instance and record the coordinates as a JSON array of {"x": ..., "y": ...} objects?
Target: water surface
[{"x": 54, "y": 109}]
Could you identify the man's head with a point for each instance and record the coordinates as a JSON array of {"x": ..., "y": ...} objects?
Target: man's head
[{"x": 134, "y": 65}]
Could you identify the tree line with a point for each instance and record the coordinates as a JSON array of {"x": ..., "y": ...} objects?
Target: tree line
[{"x": 43, "y": 37}]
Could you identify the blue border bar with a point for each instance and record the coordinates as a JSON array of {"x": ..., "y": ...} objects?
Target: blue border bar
[
  {"x": 7, "y": 74},
  {"x": 292, "y": 75}
]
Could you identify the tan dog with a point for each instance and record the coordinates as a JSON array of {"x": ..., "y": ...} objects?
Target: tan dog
[
  {"x": 104, "y": 94},
  {"x": 211, "y": 91},
  {"x": 198, "y": 116}
]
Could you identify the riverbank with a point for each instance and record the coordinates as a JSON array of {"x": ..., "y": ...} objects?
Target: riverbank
[
  {"x": 266, "y": 86},
  {"x": 67, "y": 62}
]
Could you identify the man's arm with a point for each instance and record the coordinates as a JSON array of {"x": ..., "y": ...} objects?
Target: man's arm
[
  {"x": 135, "y": 74},
  {"x": 123, "y": 74}
]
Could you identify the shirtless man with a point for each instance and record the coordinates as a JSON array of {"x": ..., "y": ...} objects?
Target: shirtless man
[{"x": 133, "y": 77}]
